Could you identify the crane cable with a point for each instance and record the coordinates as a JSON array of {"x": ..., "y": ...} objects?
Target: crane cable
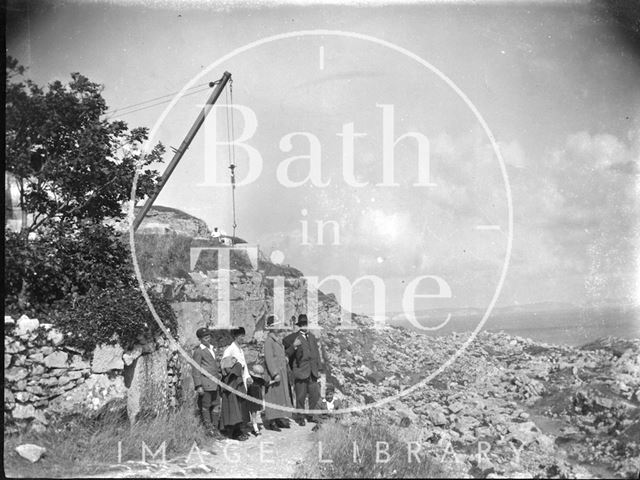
[{"x": 231, "y": 152}]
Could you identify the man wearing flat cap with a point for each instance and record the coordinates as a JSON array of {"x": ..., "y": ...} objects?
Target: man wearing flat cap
[
  {"x": 302, "y": 349},
  {"x": 207, "y": 388}
]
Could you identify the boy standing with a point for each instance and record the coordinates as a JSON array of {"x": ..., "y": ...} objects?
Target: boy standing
[{"x": 208, "y": 401}]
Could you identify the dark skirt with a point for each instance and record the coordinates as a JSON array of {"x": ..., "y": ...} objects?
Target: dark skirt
[
  {"x": 233, "y": 409},
  {"x": 255, "y": 391}
]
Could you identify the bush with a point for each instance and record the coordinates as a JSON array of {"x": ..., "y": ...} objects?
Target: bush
[
  {"x": 52, "y": 267},
  {"x": 112, "y": 315},
  {"x": 338, "y": 441}
]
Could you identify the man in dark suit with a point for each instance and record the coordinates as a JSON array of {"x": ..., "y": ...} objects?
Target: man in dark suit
[
  {"x": 208, "y": 401},
  {"x": 302, "y": 349}
]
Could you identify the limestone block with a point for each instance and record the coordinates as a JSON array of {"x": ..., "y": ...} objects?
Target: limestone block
[
  {"x": 35, "y": 389},
  {"x": 106, "y": 358},
  {"x": 31, "y": 452},
  {"x": 7, "y": 360},
  {"x": 130, "y": 356},
  {"x": 8, "y": 320},
  {"x": 92, "y": 393},
  {"x": 525, "y": 432},
  {"x": 191, "y": 316},
  {"x": 49, "y": 382},
  {"x": 37, "y": 427},
  {"x": 149, "y": 385},
  {"x": 437, "y": 417},
  {"x": 74, "y": 374},
  {"x": 46, "y": 350},
  {"x": 40, "y": 417},
  {"x": 56, "y": 359},
  {"x": 202, "y": 288},
  {"x": 63, "y": 380},
  {"x": 78, "y": 363},
  {"x": 55, "y": 337},
  {"x": 19, "y": 360},
  {"x": 36, "y": 357},
  {"x": 15, "y": 374},
  {"x": 23, "y": 411},
  {"x": 25, "y": 325},
  {"x": 14, "y": 347},
  {"x": 23, "y": 397}
]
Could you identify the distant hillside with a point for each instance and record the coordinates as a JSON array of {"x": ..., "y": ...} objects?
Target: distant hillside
[{"x": 161, "y": 220}]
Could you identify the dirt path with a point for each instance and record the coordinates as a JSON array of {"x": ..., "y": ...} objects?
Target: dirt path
[{"x": 272, "y": 454}]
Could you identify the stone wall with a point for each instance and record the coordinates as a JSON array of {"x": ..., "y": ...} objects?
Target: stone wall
[
  {"x": 196, "y": 303},
  {"x": 44, "y": 377}
]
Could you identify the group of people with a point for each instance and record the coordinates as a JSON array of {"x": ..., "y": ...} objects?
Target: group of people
[{"x": 288, "y": 377}]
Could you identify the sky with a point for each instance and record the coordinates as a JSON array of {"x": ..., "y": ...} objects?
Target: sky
[{"x": 555, "y": 84}]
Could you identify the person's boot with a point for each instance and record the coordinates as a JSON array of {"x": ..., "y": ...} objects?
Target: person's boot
[
  {"x": 213, "y": 430},
  {"x": 206, "y": 420}
]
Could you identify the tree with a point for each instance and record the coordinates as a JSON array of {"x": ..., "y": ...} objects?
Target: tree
[
  {"x": 74, "y": 169},
  {"x": 72, "y": 164}
]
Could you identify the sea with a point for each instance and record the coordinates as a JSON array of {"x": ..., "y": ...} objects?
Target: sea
[{"x": 576, "y": 327}]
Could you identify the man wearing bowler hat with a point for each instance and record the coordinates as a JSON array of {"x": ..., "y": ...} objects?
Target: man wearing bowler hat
[
  {"x": 302, "y": 349},
  {"x": 207, "y": 389}
]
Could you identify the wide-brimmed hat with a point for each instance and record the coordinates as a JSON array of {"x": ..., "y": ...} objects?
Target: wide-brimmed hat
[
  {"x": 257, "y": 370},
  {"x": 273, "y": 322},
  {"x": 303, "y": 321}
]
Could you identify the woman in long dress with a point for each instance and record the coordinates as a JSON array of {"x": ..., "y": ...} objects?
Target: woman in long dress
[
  {"x": 277, "y": 391},
  {"x": 233, "y": 410}
]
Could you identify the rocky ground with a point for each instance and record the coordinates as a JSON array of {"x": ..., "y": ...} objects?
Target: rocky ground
[{"x": 537, "y": 410}]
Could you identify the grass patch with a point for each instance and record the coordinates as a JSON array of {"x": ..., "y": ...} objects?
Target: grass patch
[
  {"x": 169, "y": 255},
  {"x": 338, "y": 442},
  {"x": 80, "y": 445}
]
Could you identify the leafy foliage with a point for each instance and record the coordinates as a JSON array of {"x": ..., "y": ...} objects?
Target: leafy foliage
[
  {"x": 50, "y": 268},
  {"x": 74, "y": 170},
  {"x": 72, "y": 164},
  {"x": 112, "y": 315}
]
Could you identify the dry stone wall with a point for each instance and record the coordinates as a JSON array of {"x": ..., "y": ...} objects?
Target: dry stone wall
[{"x": 44, "y": 377}]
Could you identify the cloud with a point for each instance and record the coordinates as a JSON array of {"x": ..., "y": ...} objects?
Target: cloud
[{"x": 578, "y": 214}]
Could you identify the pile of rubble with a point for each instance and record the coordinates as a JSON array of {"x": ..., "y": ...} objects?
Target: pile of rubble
[{"x": 553, "y": 411}]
